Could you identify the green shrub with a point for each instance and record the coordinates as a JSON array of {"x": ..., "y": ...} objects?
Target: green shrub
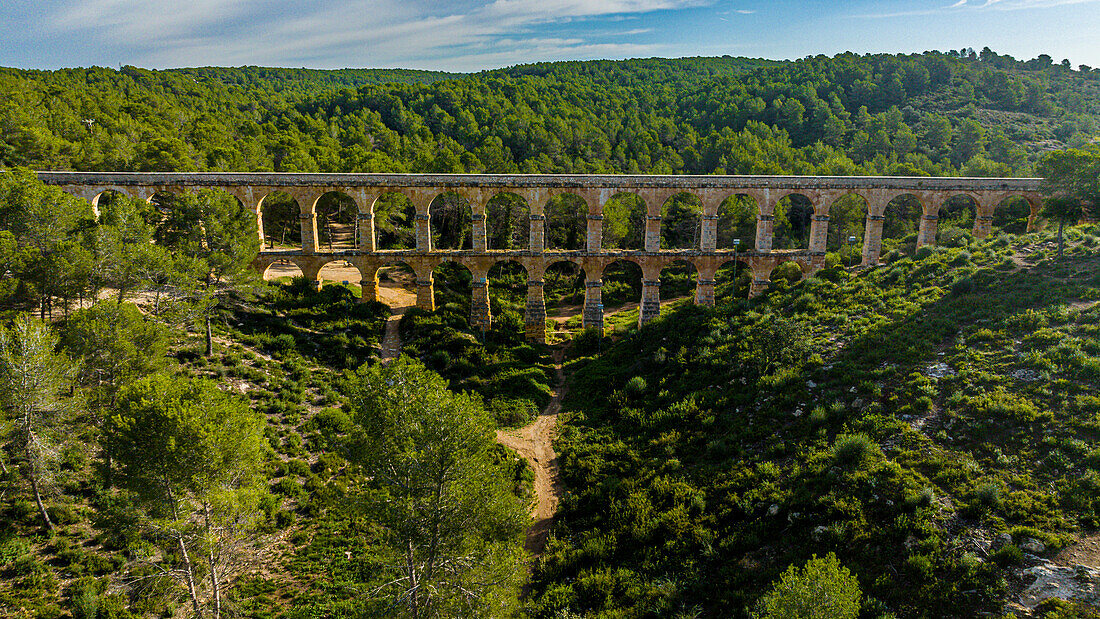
[
  {"x": 63, "y": 514},
  {"x": 1007, "y": 555},
  {"x": 512, "y": 412},
  {"x": 288, "y": 487},
  {"x": 297, "y": 467},
  {"x": 988, "y": 496},
  {"x": 853, "y": 449},
  {"x": 12, "y": 548},
  {"x": 962, "y": 286},
  {"x": 283, "y": 518},
  {"x": 821, "y": 588},
  {"x": 636, "y": 386}
]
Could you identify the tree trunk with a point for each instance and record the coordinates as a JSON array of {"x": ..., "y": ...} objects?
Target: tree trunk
[
  {"x": 38, "y": 498},
  {"x": 187, "y": 567},
  {"x": 215, "y": 588},
  {"x": 209, "y": 338}
]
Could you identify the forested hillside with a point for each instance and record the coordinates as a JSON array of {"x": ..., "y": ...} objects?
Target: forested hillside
[
  {"x": 929, "y": 114},
  {"x": 180, "y": 438}
]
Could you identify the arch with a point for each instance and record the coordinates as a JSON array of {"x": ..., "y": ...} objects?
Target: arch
[
  {"x": 622, "y": 283},
  {"x": 679, "y": 278},
  {"x": 847, "y": 227},
  {"x": 394, "y": 221},
  {"x": 566, "y": 222},
  {"x": 395, "y": 283},
  {"x": 793, "y": 218},
  {"x": 337, "y": 221},
  {"x": 624, "y": 221},
  {"x": 452, "y": 281},
  {"x": 451, "y": 221},
  {"x": 1012, "y": 214},
  {"x": 163, "y": 203},
  {"x": 564, "y": 287},
  {"x": 789, "y": 271},
  {"x": 900, "y": 224},
  {"x": 280, "y": 269},
  {"x": 104, "y": 195},
  {"x": 737, "y": 219},
  {"x": 507, "y": 222},
  {"x": 102, "y": 200},
  {"x": 507, "y": 296},
  {"x": 957, "y": 215},
  {"x": 341, "y": 271},
  {"x": 733, "y": 279},
  {"x": 281, "y": 217},
  {"x": 507, "y": 284},
  {"x": 563, "y": 283},
  {"x": 681, "y": 221}
]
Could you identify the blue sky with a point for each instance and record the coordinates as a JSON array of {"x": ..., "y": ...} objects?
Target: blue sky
[{"x": 468, "y": 35}]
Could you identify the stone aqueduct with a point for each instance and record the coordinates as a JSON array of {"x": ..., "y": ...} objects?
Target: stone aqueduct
[{"x": 537, "y": 190}]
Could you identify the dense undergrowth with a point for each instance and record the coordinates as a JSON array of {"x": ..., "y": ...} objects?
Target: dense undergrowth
[
  {"x": 315, "y": 552},
  {"x": 901, "y": 417},
  {"x": 897, "y": 418}
]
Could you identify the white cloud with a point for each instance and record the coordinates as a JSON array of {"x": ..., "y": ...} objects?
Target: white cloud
[{"x": 454, "y": 35}]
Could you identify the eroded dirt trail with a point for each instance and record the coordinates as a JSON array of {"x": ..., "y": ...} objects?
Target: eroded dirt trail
[
  {"x": 399, "y": 301},
  {"x": 534, "y": 443}
]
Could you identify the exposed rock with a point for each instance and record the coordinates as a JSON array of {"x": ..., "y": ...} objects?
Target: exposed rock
[
  {"x": 1032, "y": 545},
  {"x": 1026, "y": 375},
  {"x": 819, "y": 533},
  {"x": 773, "y": 510},
  {"x": 938, "y": 370},
  {"x": 1078, "y": 583},
  {"x": 1002, "y": 539}
]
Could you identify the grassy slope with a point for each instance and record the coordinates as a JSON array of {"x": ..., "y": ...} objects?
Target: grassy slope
[{"x": 703, "y": 474}]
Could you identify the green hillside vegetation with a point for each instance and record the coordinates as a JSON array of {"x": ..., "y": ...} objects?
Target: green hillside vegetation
[
  {"x": 938, "y": 114},
  {"x": 902, "y": 437},
  {"x": 894, "y": 418}
]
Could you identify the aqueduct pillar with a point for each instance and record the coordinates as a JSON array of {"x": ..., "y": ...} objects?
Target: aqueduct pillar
[
  {"x": 593, "y": 304},
  {"x": 594, "y": 233},
  {"x": 479, "y": 303},
  {"x": 872, "y": 239},
  {"x": 926, "y": 235},
  {"x": 535, "y": 315}
]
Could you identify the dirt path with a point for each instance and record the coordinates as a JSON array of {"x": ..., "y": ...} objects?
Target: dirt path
[
  {"x": 534, "y": 443},
  {"x": 392, "y": 292},
  {"x": 399, "y": 300}
]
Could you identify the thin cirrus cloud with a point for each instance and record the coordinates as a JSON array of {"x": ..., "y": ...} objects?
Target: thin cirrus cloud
[
  {"x": 963, "y": 5},
  {"x": 459, "y": 35}
]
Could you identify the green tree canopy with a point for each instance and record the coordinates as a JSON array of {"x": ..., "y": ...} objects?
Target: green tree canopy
[
  {"x": 192, "y": 454},
  {"x": 1071, "y": 182},
  {"x": 452, "y": 521},
  {"x": 33, "y": 379}
]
